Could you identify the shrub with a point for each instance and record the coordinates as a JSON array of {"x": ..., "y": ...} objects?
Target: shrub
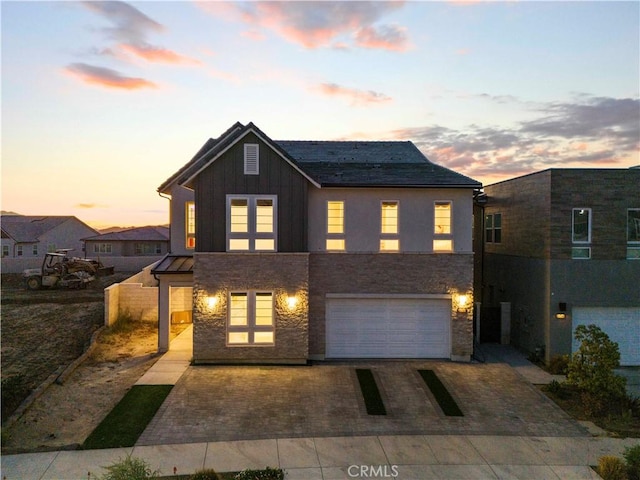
[
  {"x": 591, "y": 368},
  {"x": 632, "y": 456},
  {"x": 267, "y": 473},
  {"x": 558, "y": 365},
  {"x": 131, "y": 468},
  {"x": 206, "y": 474},
  {"x": 612, "y": 468},
  {"x": 554, "y": 387}
]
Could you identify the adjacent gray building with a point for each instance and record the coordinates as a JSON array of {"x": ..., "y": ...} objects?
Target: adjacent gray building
[{"x": 562, "y": 247}]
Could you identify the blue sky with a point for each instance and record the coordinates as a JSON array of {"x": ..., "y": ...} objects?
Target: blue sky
[{"x": 102, "y": 101}]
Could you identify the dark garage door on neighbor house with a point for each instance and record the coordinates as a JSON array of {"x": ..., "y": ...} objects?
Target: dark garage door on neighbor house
[{"x": 388, "y": 327}]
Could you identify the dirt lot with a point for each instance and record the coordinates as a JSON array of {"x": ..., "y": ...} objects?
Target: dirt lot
[{"x": 41, "y": 333}]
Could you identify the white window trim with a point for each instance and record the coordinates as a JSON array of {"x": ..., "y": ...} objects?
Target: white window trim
[
  {"x": 443, "y": 236},
  {"x": 390, "y": 236},
  {"x": 251, "y": 326},
  {"x": 336, "y": 236},
  {"x": 632, "y": 242},
  {"x": 252, "y": 235},
  {"x": 251, "y": 168},
  {"x": 581, "y": 242},
  {"x": 187, "y": 233}
]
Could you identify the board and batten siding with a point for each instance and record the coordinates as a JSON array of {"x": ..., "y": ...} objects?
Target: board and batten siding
[{"x": 225, "y": 176}]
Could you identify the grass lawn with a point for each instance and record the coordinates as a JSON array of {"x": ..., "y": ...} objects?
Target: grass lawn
[{"x": 128, "y": 419}]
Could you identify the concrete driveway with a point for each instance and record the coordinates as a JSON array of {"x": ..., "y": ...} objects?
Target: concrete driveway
[{"x": 222, "y": 403}]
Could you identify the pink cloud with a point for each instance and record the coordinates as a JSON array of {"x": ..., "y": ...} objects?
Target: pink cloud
[
  {"x": 357, "y": 97},
  {"x": 318, "y": 24},
  {"x": 157, "y": 54},
  {"x": 105, "y": 77},
  {"x": 386, "y": 37}
]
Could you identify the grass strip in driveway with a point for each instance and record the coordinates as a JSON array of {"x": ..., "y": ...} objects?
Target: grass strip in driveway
[
  {"x": 441, "y": 394},
  {"x": 125, "y": 423},
  {"x": 370, "y": 392}
]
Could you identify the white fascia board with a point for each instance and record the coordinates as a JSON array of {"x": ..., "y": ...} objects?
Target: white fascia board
[{"x": 268, "y": 142}]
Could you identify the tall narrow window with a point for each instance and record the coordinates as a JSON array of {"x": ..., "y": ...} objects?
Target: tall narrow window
[
  {"x": 190, "y": 223},
  {"x": 442, "y": 239},
  {"x": 633, "y": 234},
  {"x": 251, "y": 159},
  {"x": 250, "y": 318},
  {"x": 252, "y": 223},
  {"x": 581, "y": 233},
  {"x": 493, "y": 228},
  {"x": 389, "y": 241},
  {"x": 335, "y": 226}
]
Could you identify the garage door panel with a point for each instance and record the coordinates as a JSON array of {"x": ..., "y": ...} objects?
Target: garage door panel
[{"x": 388, "y": 328}]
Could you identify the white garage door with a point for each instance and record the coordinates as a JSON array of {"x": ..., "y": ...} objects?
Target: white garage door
[
  {"x": 388, "y": 328},
  {"x": 621, "y": 324}
]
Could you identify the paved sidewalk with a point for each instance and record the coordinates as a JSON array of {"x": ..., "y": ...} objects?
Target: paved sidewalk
[
  {"x": 496, "y": 353},
  {"x": 410, "y": 457}
]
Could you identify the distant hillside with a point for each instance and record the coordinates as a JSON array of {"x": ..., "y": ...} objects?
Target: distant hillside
[
  {"x": 4, "y": 212},
  {"x": 120, "y": 229}
]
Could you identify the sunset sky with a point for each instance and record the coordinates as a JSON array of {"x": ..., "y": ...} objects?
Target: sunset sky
[{"x": 102, "y": 101}]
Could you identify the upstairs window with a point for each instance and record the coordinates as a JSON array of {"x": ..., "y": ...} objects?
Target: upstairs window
[
  {"x": 250, "y": 320},
  {"x": 581, "y": 233},
  {"x": 34, "y": 250},
  {"x": 251, "y": 159},
  {"x": 493, "y": 228},
  {"x": 251, "y": 224},
  {"x": 389, "y": 241},
  {"x": 633, "y": 234},
  {"x": 335, "y": 226},
  {"x": 190, "y": 223},
  {"x": 19, "y": 250},
  {"x": 5, "y": 251},
  {"x": 442, "y": 239}
]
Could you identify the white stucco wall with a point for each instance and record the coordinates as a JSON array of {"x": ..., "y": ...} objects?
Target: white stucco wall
[{"x": 416, "y": 217}]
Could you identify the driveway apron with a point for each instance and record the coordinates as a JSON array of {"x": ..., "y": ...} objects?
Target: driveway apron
[{"x": 223, "y": 403}]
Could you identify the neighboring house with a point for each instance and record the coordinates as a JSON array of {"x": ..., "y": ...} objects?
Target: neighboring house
[
  {"x": 25, "y": 236},
  {"x": 141, "y": 241},
  {"x": 563, "y": 247},
  {"x": 298, "y": 250}
]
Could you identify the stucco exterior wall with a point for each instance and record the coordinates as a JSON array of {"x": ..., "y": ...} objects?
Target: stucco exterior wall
[
  {"x": 416, "y": 217},
  {"x": 218, "y": 274},
  {"x": 391, "y": 274}
]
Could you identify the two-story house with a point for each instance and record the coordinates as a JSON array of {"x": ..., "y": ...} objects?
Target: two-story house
[
  {"x": 299, "y": 250},
  {"x": 562, "y": 246}
]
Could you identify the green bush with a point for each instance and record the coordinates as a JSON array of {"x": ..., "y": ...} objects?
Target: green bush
[
  {"x": 554, "y": 387},
  {"x": 632, "y": 457},
  {"x": 591, "y": 368},
  {"x": 206, "y": 474},
  {"x": 558, "y": 365},
  {"x": 131, "y": 468},
  {"x": 267, "y": 473},
  {"x": 612, "y": 468}
]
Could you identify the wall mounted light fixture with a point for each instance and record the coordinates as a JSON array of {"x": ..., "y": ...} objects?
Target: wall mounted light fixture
[
  {"x": 462, "y": 302},
  {"x": 212, "y": 301},
  {"x": 561, "y": 314},
  {"x": 292, "y": 301}
]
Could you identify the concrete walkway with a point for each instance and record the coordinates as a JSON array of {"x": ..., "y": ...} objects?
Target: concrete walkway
[
  {"x": 172, "y": 365},
  {"x": 403, "y": 457}
]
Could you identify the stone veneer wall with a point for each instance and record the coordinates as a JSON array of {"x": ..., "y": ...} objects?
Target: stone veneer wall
[
  {"x": 220, "y": 273},
  {"x": 394, "y": 273}
]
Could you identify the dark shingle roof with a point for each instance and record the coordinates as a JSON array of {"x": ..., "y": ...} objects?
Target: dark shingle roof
[
  {"x": 140, "y": 234},
  {"x": 338, "y": 163},
  {"x": 354, "y": 164}
]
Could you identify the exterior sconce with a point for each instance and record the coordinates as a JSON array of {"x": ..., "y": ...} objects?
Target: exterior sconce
[
  {"x": 562, "y": 311},
  {"x": 212, "y": 301},
  {"x": 463, "y": 302},
  {"x": 292, "y": 301}
]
